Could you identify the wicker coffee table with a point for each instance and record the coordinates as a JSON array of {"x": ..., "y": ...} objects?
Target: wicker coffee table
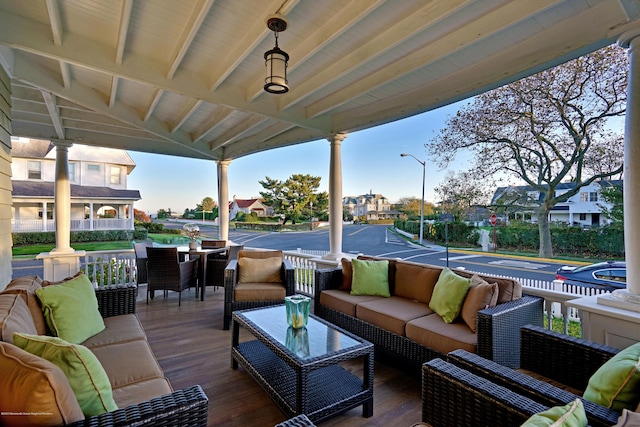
[{"x": 300, "y": 369}]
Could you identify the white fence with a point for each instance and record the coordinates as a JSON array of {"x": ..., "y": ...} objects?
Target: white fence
[{"x": 119, "y": 267}]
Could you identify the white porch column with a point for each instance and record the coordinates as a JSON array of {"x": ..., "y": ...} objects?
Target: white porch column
[
  {"x": 132, "y": 215},
  {"x": 631, "y": 40},
  {"x": 335, "y": 197},
  {"x": 223, "y": 199},
  {"x": 44, "y": 216},
  {"x": 62, "y": 197},
  {"x": 90, "y": 215},
  {"x": 62, "y": 261}
]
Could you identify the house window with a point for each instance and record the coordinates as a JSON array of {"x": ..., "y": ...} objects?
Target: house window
[
  {"x": 34, "y": 170},
  {"x": 72, "y": 172},
  {"x": 593, "y": 197},
  {"x": 93, "y": 167},
  {"x": 584, "y": 197},
  {"x": 115, "y": 175},
  {"x": 583, "y": 217}
]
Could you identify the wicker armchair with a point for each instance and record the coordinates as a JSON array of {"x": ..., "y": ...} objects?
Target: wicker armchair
[
  {"x": 470, "y": 390},
  {"x": 236, "y": 301},
  {"x": 166, "y": 273},
  {"x": 186, "y": 407}
]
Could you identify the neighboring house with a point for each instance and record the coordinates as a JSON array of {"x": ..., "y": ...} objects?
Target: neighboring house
[
  {"x": 248, "y": 206},
  {"x": 582, "y": 209},
  {"x": 100, "y": 199},
  {"x": 371, "y": 206}
]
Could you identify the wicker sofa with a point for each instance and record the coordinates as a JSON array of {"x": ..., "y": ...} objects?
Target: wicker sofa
[
  {"x": 407, "y": 328},
  {"x": 469, "y": 390},
  {"x": 141, "y": 392}
]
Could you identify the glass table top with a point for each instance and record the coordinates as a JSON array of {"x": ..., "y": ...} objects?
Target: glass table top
[{"x": 317, "y": 339}]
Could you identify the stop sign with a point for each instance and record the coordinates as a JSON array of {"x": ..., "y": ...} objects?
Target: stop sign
[{"x": 494, "y": 219}]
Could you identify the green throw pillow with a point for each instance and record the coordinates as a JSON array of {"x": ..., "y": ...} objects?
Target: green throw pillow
[
  {"x": 616, "y": 384},
  {"x": 85, "y": 374},
  {"x": 570, "y": 415},
  {"x": 370, "y": 278},
  {"x": 448, "y": 295},
  {"x": 71, "y": 309}
]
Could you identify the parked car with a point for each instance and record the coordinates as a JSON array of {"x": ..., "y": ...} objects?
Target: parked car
[{"x": 609, "y": 276}]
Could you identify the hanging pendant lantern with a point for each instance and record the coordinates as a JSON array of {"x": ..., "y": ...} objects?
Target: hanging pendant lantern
[{"x": 276, "y": 60}]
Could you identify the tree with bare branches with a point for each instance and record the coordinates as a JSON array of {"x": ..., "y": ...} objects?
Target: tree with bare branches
[{"x": 555, "y": 126}]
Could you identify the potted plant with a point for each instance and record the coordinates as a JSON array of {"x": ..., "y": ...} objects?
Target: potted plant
[{"x": 192, "y": 231}]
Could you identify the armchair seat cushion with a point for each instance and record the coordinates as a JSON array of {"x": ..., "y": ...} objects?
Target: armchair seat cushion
[
  {"x": 343, "y": 301},
  {"x": 259, "y": 292},
  {"x": 431, "y": 331},
  {"x": 391, "y": 313}
]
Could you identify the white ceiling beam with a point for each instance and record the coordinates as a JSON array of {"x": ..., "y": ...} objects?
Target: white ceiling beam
[
  {"x": 237, "y": 131},
  {"x": 92, "y": 100},
  {"x": 55, "y": 22},
  {"x": 125, "y": 18},
  {"x": 462, "y": 36},
  {"x": 251, "y": 38},
  {"x": 349, "y": 16},
  {"x": 295, "y": 135},
  {"x": 188, "y": 112},
  {"x": 154, "y": 102},
  {"x": 114, "y": 91},
  {"x": 50, "y": 101},
  {"x": 28, "y": 35},
  {"x": 65, "y": 72},
  {"x": 212, "y": 122},
  {"x": 191, "y": 28}
]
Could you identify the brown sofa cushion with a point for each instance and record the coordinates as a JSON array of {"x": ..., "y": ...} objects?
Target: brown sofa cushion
[
  {"x": 431, "y": 331},
  {"x": 343, "y": 301},
  {"x": 15, "y": 316},
  {"x": 26, "y": 286},
  {"x": 142, "y": 391},
  {"x": 118, "y": 329},
  {"x": 265, "y": 270},
  {"x": 259, "y": 292},
  {"x": 23, "y": 377},
  {"x": 415, "y": 281},
  {"x": 391, "y": 313},
  {"x": 128, "y": 363},
  {"x": 481, "y": 295}
]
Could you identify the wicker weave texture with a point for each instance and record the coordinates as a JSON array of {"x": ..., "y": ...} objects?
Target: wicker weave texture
[
  {"x": 114, "y": 300},
  {"x": 299, "y": 421}
]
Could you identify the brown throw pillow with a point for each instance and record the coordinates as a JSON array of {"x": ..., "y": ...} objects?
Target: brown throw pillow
[
  {"x": 34, "y": 388},
  {"x": 481, "y": 295},
  {"x": 26, "y": 287},
  {"x": 347, "y": 275}
]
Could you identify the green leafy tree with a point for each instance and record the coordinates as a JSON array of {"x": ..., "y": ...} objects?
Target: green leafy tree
[
  {"x": 411, "y": 207},
  {"x": 164, "y": 213},
  {"x": 614, "y": 197},
  {"x": 289, "y": 198},
  {"x": 207, "y": 205},
  {"x": 545, "y": 129}
]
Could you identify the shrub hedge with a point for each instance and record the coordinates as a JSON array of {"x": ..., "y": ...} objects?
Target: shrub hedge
[{"x": 49, "y": 237}]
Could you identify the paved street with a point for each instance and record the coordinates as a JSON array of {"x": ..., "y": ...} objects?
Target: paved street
[{"x": 375, "y": 240}]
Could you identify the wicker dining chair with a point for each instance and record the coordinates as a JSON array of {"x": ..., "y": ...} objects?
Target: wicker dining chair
[
  {"x": 166, "y": 273},
  {"x": 140, "y": 250},
  {"x": 216, "y": 263}
]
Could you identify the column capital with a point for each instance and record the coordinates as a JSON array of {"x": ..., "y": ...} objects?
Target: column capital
[
  {"x": 59, "y": 143},
  {"x": 224, "y": 162},
  {"x": 338, "y": 137},
  {"x": 625, "y": 38}
]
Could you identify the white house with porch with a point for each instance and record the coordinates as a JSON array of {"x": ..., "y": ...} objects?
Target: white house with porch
[
  {"x": 370, "y": 206},
  {"x": 100, "y": 199},
  {"x": 584, "y": 209}
]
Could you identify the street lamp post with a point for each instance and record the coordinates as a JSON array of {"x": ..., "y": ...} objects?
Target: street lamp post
[{"x": 424, "y": 165}]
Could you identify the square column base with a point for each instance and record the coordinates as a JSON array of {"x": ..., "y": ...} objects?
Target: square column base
[{"x": 60, "y": 266}]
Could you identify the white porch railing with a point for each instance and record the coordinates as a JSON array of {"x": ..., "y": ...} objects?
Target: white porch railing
[
  {"x": 115, "y": 267},
  {"x": 36, "y": 225}
]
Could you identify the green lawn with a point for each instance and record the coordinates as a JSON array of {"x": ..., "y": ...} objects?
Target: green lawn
[{"x": 89, "y": 246}]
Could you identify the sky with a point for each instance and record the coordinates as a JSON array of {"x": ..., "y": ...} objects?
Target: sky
[{"x": 371, "y": 162}]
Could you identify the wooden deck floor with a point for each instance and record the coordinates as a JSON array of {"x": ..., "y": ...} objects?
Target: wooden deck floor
[{"x": 192, "y": 349}]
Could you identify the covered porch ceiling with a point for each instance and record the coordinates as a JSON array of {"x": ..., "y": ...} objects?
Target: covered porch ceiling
[{"x": 185, "y": 78}]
